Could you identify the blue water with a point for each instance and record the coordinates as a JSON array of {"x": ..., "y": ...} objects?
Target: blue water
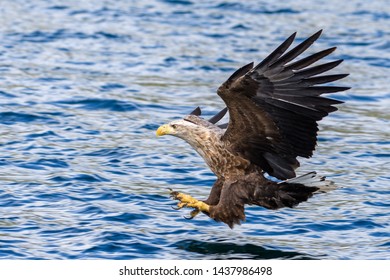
[{"x": 84, "y": 85}]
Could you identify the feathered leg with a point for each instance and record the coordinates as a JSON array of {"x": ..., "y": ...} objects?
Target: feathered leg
[
  {"x": 215, "y": 193},
  {"x": 230, "y": 208}
]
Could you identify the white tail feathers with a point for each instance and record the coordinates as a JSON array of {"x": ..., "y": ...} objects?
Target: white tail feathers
[{"x": 311, "y": 179}]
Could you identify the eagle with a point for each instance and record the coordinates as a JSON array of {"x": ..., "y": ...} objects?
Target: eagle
[{"x": 274, "y": 109}]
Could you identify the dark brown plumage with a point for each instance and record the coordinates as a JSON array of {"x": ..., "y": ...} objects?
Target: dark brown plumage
[{"x": 273, "y": 110}]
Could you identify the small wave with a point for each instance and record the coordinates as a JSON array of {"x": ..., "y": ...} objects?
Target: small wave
[
  {"x": 99, "y": 104},
  {"x": 10, "y": 118},
  {"x": 40, "y": 36}
]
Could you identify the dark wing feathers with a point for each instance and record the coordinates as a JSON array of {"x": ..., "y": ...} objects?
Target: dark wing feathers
[
  {"x": 275, "y": 54},
  {"x": 218, "y": 116},
  {"x": 240, "y": 72},
  {"x": 296, "y": 51},
  {"x": 309, "y": 59},
  {"x": 213, "y": 120},
  {"x": 196, "y": 112},
  {"x": 309, "y": 72},
  {"x": 307, "y": 82},
  {"x": 274, "y": 107}
]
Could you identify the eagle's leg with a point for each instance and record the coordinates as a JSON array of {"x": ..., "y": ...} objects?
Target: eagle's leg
[{"x": 188, "y": 201}]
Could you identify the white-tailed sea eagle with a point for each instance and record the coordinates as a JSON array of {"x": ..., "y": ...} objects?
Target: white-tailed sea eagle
[{"x": 273, "y": 111}]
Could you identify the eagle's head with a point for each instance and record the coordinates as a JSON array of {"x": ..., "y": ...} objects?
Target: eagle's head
[
  {"x": 179, "y": 128},
  {"x": 194, "y": 129},
  {"x": 199, "y": 133}
]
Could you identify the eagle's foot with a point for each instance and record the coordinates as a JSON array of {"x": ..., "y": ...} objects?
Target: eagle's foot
[
  {"x": 193, "y": 214},
  {"x": 190, "y": 202}
]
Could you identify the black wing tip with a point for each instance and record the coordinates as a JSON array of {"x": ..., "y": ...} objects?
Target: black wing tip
[
  {"x": 277, "y": 53},
  {"x": 342, "y": 76},
  {"x": 336, "y": 63},
  {"x": 218, "y": 116},
  {"x": 338, "y": 89},
  {"x": 196, "y": 112},
  {"x": 328, "y": 50},
  {"x": 318, "y": 33},
  {"x": 344, "y": 89},
  {"x": 314, "y": 36},
  {"x": 291, "y": 38},
  {"x": 318, "y": 69},
  {"x": 292, "y": 35}
]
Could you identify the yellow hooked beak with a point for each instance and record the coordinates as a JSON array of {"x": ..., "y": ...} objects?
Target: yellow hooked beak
[{"x": 164, "y": 130}]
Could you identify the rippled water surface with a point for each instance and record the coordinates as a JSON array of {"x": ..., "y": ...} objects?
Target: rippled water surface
[{"x": 84, "y": 85}]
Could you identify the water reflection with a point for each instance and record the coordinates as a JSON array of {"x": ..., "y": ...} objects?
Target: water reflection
[{"x": 227, "y": 250}]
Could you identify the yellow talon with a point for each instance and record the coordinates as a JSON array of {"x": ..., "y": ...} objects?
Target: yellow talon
[
  {"x": 193, "y": 214},
  {"x": 181, "y": 205},
  {"x": 188, "y": 201}
]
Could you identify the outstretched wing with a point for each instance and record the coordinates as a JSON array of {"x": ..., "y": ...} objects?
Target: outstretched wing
[{"x": 274, "y": 107}]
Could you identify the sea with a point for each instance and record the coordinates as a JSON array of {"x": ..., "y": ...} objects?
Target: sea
[{"x": 85, "y": 84}]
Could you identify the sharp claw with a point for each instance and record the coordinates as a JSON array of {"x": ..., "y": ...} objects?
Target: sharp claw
[
  {"x": 179, "y": 206},
  {"x": 192, "y": 214},
  {"x": 174, "y": 194}
]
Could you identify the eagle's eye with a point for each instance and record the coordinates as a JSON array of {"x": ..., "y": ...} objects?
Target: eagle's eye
[{"x": 174, "y": 126}]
